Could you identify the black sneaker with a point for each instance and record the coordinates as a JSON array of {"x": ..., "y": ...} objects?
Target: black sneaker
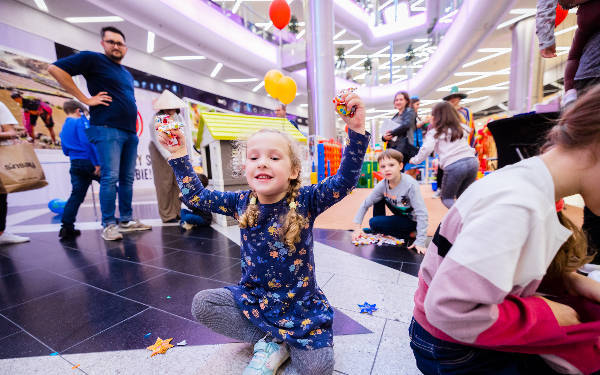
[{"x": 68, "y": 233}]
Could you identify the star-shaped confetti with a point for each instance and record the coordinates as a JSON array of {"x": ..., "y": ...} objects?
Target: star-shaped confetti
[
  {"x": 160, "y": 346},
  {"x": 366, "y": 308}
]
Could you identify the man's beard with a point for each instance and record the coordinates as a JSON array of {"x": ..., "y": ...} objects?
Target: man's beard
[{"x": 114, "y": 58}]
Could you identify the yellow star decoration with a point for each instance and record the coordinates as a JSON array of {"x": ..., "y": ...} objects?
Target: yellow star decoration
[
  {"x": 186, "y": 179},
  {"x": 160, "y": 346},
  {"x": 293, "y": 205}
]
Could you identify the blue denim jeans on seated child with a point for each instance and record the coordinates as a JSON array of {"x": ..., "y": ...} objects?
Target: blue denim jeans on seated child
[
  {"x": 82, "y": 174},
  {"x": 399, "y": 226},
  {"x": 117, "y": 150},
  {"x": 440, "y": 357}
]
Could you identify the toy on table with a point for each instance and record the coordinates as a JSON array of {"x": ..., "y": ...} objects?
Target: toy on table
[
  {"x": 166, "y": 124},
  {"x": 340, "y": 103},
  {"x": 378, "y": 239}
]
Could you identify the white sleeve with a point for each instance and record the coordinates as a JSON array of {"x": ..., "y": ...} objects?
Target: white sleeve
[{"x": 6, "y": 117}]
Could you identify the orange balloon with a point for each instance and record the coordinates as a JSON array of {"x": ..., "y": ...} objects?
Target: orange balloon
[
  {"x": 287, "y": 87},
  {"x": 272, "y": 82}
]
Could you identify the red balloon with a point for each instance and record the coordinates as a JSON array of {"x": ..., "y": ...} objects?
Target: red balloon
[
  {"x": 561, "y": 14},
  {"x": 280, "y": 13}
]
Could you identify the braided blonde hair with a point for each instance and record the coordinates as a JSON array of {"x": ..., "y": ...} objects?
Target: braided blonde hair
[{"x": 294, "y": 222}]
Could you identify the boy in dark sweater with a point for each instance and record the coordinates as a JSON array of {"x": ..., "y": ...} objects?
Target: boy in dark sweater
[{"x": 84, "y": 164}]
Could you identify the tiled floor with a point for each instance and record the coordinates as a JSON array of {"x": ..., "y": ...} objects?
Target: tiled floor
[{"x": 87, "y": 305}]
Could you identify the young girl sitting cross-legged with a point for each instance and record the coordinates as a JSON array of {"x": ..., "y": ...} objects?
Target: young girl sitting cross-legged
[{"x": 277, "y": 305}]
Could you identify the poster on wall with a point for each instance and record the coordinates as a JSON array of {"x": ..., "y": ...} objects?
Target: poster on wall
[{"x": 33, "y": 97}]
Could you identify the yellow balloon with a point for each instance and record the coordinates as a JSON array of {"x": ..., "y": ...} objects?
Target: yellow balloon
[
  {"x": 287, "y": 88},
  {"x": 271, "y": 82}
]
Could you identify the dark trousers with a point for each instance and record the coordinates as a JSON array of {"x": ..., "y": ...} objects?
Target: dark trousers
[
  {"x": 399, "y": 226},
  {"x": 591, "y": 222},
  {"x": 82, "y": 174},
  {"x": 3, "y": 211},
  {"x": 439, "y": 178},
  {"x": 439, "y": 357},
  {"x": 588, "y": 18}
]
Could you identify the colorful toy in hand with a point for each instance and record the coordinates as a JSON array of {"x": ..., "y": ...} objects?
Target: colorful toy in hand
[
  {"x": 378, "y": 239},
  {"x": 166, "y": 124},
  {"x": 340, "y": 103}
]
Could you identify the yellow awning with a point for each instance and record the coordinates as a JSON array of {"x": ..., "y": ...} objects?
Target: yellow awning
[{"x": 226, "y": 126}]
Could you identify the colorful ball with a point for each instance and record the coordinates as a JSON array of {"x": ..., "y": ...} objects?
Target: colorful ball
[{"x": 57, "y": 206}]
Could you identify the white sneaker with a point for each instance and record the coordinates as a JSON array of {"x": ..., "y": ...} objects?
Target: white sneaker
[
  {"x": 437, "y": 193},
  {"x": 9, "y": 238},
  {"x": 133, "y": 226},
  {"x": 111, "y": 233},
  {"x": 268, "y": 356}
]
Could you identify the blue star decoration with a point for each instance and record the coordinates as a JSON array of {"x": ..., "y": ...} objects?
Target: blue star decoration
[{"x": 366, "y": 308}]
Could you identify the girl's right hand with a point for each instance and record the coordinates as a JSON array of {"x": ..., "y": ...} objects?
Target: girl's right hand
[
  {"x": 179, "y": 149},
  {"x": 565, "y": 315}
]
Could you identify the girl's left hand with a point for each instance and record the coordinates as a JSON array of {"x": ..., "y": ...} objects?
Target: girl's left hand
[
  {"x": 356, "y": 122},
  {"x": 420, "y": 249},
  {"x": 583, "y": 286}
]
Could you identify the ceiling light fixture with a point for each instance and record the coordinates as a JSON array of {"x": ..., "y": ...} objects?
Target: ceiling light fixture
[
  {"x": 150, "y": 42},
  {"x": 41, "y": 4},
  {"x": 93, "y": 19},
  {"x": 301, "y": 34},
  {"x": 183, "y": 58},
  {"x": 564, "y": 31},
  {"x": 257, "y": 87},
  {"x": 339, "y": 34},
  {"x": 236, "y": 6},
  {"x": 216, "y": 70},
  {"x": 241, "y": 80},
  {"x": 514, "y": 20},
  {"x": 357, "y": 46},
  {"x": 501, "y": 52}
]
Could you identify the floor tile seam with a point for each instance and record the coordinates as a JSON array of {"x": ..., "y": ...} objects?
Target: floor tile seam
[
  {"x": 138, "y": 302},
  {"x": 23, "y": 330},
  {"x": 225, "y": 269},
  {"x": 12, "y": 334},
  {"x": 354, "y": 277},
  {"x": 325, "y": 283},
  {"x": 378, "y": 345},
  {"x": 105, "y": 329},
  {"x": 344, "y": 309},
  {"x": 43, "y": 296},
  {"x": 195, "y": 252},
  {"x": 141, "y": 282}
]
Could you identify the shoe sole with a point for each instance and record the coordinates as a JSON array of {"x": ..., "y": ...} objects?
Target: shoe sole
[
  {"x": 112, "y": 239},
  {"x": 126, "y": 230}
]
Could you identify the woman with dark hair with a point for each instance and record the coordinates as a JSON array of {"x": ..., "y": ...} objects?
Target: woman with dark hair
[
  {"x": 401, "y": 137},
  {"x": 449, "y": 139}
]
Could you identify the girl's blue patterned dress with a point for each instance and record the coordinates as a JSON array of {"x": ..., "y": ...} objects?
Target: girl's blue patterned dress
[{"x": 278, "y": 291}]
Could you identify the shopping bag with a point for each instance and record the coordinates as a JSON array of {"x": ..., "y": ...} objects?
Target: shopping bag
[{"x": 20, "y": 169}]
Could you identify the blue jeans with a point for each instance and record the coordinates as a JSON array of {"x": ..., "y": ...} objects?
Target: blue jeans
[
  {"x": 439, "y": 357},
  {"x": 457, "y": 178},
  {"x": 82, "y": 174},
  {"x": 399, "y": 226},
  {"x": 117, "y": 150}
]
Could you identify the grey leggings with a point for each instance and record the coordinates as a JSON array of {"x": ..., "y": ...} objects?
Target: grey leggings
[
  {"x": 457, "y": 178},
  {"x": 216, "y": 309}
]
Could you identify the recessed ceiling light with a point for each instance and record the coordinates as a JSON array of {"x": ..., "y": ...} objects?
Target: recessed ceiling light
[
  {"x": 93, "y": 19},
  {"x": 150, "y": 42},
  {"x": 183, "y": 58},
  {"x": 41, "y": 4},
  {"x": 257, "y": 87},
  {"x": 338, "y": 35},
  {"x": 241, "y": 80},
  {"x": 216, "y": 70}
]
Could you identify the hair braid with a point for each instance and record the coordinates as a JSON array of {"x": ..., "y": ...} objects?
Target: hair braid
[
  {"x": 294, "y": 222},
  {"x": 250, "y": 216},
  {"x": 573, "y": 253}
]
